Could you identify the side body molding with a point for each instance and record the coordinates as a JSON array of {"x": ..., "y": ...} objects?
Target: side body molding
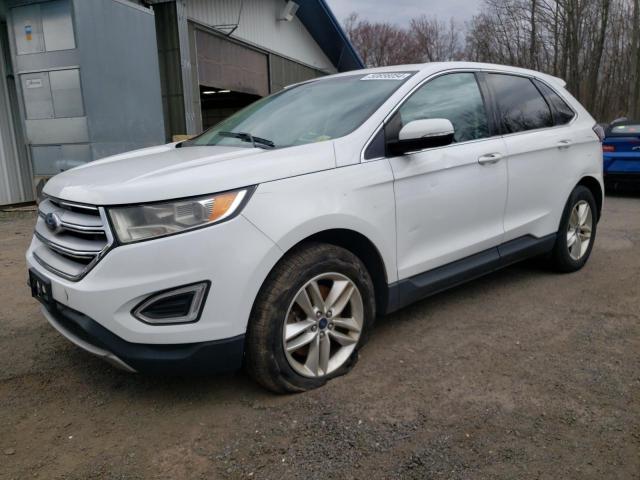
[{"x": 423, "y": 285}]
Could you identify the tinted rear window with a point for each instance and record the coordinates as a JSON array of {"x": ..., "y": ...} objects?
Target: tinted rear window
[
  {"x": 521, "y": 104},
  {"x": 624, "y": 130},
  {"x": 563, "y": 112}
]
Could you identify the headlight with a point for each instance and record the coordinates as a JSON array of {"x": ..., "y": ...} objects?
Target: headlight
[{"x": 142, "y": 222}]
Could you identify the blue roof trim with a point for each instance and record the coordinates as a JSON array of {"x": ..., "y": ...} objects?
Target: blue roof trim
[{"x": 320, "y": 22}]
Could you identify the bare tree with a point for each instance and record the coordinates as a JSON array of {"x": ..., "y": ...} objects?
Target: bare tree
[
  {"x": 380, "y": 43},
  {"x": 593, "y": 44},
  {"x": 435, "y": 40},
  {"x": 634, "y": 84},
  {"x": 582, "y": 41},
  {"x": 533, "y": 41}
]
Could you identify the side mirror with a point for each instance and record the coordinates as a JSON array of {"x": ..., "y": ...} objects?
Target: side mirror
[{"x": 421, "y": 134}]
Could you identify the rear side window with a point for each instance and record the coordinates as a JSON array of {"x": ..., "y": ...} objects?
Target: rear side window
[
  {"x": 563, "y": 113},
  {"x": 454, "y": 96},
  {"x": 521, "y": 106}
]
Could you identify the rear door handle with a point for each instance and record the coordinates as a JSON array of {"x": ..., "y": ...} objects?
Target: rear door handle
[
  {"x": 490, "y": 158},
  {"x": 564, "y": 143}
]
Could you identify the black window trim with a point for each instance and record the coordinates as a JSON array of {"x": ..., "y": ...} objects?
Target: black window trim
[
  {"x": 554, "y": 110},
  {"x": 531, "y": 78},
  {"x": 500, "y": 114},
  {"x": 489, "y": 107},
  {"x": 481, "y": 75}
]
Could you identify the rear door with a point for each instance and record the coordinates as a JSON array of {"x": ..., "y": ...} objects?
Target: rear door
[
  {"x": 542, "y": 155},
  {"x": 449, "y": 200}
]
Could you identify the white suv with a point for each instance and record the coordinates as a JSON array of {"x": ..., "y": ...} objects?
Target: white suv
[{"x": 275, "y": 238}]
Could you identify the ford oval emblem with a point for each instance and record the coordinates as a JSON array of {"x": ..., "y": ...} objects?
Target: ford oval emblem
[{"x": 53, "y": 222}]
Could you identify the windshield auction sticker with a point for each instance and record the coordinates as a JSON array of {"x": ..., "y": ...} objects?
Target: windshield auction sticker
[{"x": 386, "y": 76}]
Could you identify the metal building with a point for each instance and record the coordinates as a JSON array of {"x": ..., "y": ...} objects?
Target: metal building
[
  {"x": 15, "y": 169},
  {"x": 84, "y": 79}
]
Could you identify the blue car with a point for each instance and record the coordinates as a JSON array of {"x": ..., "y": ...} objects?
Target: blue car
[{"x": 621, "y": 150}]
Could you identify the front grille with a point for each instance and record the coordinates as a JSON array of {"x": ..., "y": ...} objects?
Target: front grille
[{"x": 73, "y": 237}]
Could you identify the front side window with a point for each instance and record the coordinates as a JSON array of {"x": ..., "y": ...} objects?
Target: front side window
[
  {"x": 563, "y": 112},
  {"x": 454, "y": 96},
  {"x": 312, "y": 112},
  {"x": 520, "y": 103}
]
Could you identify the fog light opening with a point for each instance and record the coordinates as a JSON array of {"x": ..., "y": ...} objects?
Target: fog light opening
[{"x": 177, "y": 305}]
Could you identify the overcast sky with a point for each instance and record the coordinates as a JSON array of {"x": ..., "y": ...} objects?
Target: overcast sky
[{"x": 401, "y": 11}]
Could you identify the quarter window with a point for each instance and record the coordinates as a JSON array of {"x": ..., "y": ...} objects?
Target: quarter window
[
  {"x": 520, "y": 103},
  {"x": 563, "y": 112},
  {"x": 455, "y": 97}
]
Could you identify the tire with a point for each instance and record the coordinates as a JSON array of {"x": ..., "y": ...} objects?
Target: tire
[
  {"x": 569, "y": 253},
  {"x": 314, "y": 268}
]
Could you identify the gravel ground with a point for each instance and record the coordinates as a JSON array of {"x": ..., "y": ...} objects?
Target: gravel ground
[{"x": 521, "y": 374}]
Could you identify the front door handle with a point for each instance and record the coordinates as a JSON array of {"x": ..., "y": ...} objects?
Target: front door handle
[
  {"x": 564, "y": 143},
  {"x": 490, "y": 158}
]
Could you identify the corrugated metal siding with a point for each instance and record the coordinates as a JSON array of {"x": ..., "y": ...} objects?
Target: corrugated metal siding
[
  {"x": 229, "y": 65},
  {"x": 259, "y": 26},
  {"x": 8, "y": 178},
  {"x": 15, "y": 176},
  {"x": 120, "y": 76},
  {"x": 170, "y": 69},
  {"x": 285, "y": 72}
]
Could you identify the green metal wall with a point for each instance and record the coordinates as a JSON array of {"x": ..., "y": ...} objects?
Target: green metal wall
[{"x": 285, "y": 72}]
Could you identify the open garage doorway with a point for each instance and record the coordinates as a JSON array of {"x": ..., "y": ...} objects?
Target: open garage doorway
[
  {"x": 230, "y": 76},
  {"x": 219, "y": 103}
]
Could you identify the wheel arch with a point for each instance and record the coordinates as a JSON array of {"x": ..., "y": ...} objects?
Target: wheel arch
[
  {"x": 596, "y": 190},
  {"x": 363, "y": 248}
]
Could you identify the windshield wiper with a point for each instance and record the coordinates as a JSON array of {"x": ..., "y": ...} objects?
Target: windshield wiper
[{"x": 257, "y": 142}]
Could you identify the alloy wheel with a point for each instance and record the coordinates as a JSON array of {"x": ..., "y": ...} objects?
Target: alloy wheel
[
  {"x": 579, "y": 230},
  {"x": 323, "y": 325}
]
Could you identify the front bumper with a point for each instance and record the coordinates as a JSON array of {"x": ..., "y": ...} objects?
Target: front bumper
[
  {"x": 218, "y": 356},
  {"x": 234, "y": 256}
]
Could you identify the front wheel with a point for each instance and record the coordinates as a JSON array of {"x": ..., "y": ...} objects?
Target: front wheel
[
  {"x": 312, "y": 315},
  {"x": 577, "y": 231}
]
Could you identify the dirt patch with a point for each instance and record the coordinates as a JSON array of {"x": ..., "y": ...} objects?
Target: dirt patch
[{"x": 521, "y": 374}]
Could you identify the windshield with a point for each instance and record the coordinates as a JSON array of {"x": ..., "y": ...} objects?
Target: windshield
[{"x": 307, "y": 113}]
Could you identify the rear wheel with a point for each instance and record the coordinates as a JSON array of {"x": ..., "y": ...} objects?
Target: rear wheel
[
  {"x": 577, "y": 231},
  {"x": 310, "y": 318}
]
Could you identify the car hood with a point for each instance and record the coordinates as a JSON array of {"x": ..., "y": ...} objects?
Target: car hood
[{"x": 165, "y": 172}]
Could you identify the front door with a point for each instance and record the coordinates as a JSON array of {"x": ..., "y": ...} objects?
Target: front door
[{"x": 450, "y": 200}]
